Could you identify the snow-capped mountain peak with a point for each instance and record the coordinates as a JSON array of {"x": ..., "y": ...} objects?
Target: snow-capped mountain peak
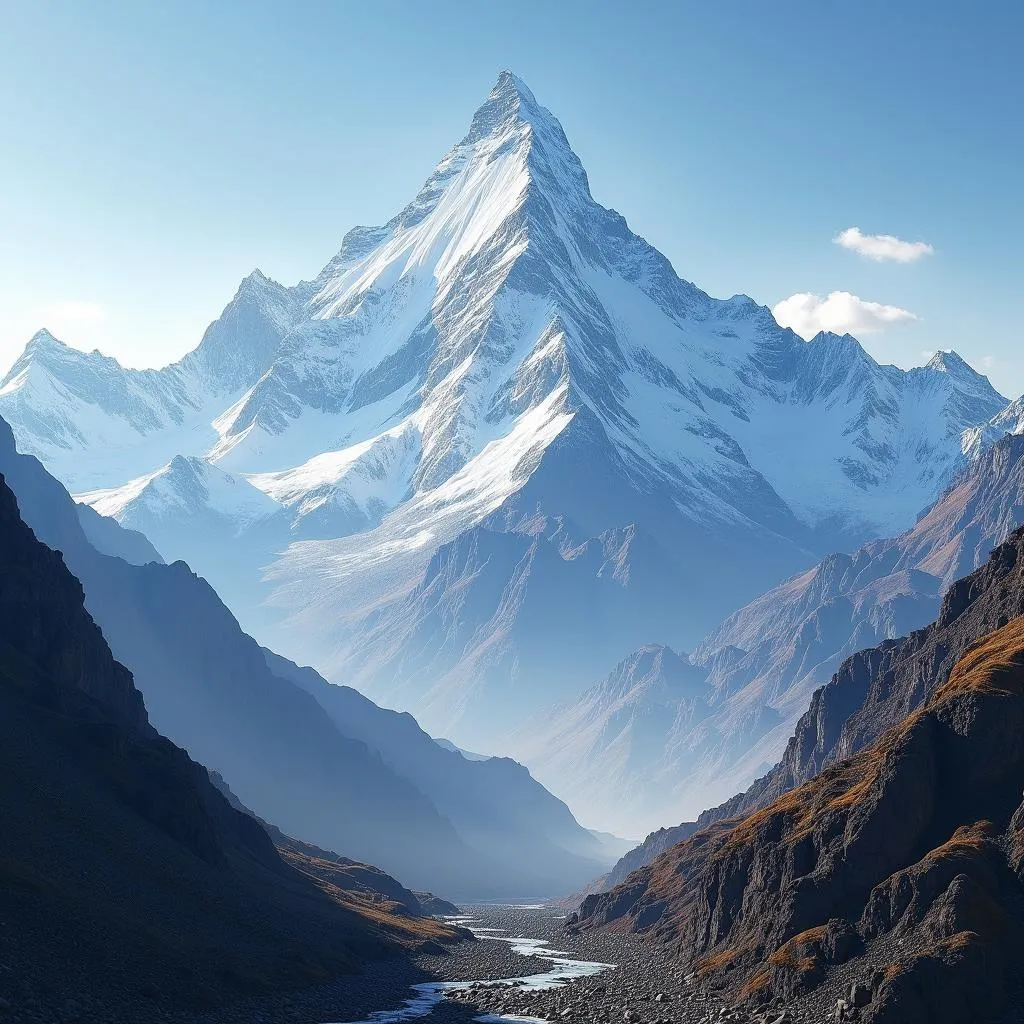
[
  {"x": 186, "y": 486},
  {"x": 949, "y": 361},
  {"x": 510, "y": 101},
  {"x": 45, "y": 352},
  {"x": 43, "y": 341},
  {"x": 503, "y": 354}
]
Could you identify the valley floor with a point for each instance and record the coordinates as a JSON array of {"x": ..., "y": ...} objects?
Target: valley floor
[{"x": 644, "y": 986}]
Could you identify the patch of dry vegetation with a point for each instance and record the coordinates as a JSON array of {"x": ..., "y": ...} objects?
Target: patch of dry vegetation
[
  {"x": 717, "y": 961},
  {"x": 993, "y": 665}
]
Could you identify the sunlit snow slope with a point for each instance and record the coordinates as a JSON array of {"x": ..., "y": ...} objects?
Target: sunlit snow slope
[{"x": 501, "y": 442}]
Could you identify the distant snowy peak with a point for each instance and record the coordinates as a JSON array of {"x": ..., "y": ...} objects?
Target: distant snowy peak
[
  {"x": 44, "y": 347},
  {"x": 1009, "y": 420},
  {"x": 239, "y": 346},
  {"x": 948, "y": 361},
  {"x": 186, "y": 487},
  {"x": 96, "y": 423},
  {"x": 505, "y": 350},
  {"x": 48, "y": 363},
  {"x": 344, "y": 492}
]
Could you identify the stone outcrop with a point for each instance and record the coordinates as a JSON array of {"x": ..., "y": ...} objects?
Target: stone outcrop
[
  {"x": 125, "y": 876},
  {"x": 914, "y": 836}
]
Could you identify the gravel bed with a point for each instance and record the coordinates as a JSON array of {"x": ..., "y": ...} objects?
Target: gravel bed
[{"x": 644, "y": 986}]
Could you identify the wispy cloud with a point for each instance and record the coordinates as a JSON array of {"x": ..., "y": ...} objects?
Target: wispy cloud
[
  {"x": 882, "y": 248},
  {"x": 838, "y": 312}
]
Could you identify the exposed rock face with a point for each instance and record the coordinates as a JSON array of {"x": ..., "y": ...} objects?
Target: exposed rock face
[
  {"x": 43, "y": 617},
  {"x": 435, "y": 906},
  {"x": 612, "y": 753},
  {"x": 209, "y": 688},
  {"x": 915, "y": 836},
  {"x": 653, "y": 846},
  {"x": 124, "y": 874}
]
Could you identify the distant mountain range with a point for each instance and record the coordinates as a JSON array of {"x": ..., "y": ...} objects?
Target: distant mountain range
[
  {"x": 497, "y": 444},
  {"x": 885, "y": 855},
  {"x": 666, "y": 736},
  {"x": 342, "y": 774}
]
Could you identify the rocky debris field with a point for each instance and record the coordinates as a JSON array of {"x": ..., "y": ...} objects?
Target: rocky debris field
[{"x": 645, "y": 986}]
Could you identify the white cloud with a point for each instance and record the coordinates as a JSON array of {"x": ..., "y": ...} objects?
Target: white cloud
[
  {"x": 882, "y": 248},
  {"x": 838, "y": 312}
]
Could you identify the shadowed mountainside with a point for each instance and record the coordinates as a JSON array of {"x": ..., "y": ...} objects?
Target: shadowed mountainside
[
  {"x": 208, "y": 687},
  {"x": 915, "y": 836},
  {"x": 124, "y": 874}
]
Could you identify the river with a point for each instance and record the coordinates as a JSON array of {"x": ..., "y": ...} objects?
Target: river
[{"x": 563, "y": 969}]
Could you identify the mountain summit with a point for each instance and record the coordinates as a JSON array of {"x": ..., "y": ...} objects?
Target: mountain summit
[{"x": 504, "y": 442}]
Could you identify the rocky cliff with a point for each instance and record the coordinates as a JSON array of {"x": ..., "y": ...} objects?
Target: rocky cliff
[
  {"x": 903, "y": 850},
  {"x": 209, "y": 687},
  {"x": 126, "y": 878}
]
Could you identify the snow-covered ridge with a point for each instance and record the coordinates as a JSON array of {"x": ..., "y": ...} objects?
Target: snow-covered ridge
[
  {"x": 503, "y": 355},
  {"x": 186, "y": 486}
]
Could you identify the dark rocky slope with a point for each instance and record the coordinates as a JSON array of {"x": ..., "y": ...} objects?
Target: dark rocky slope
[
  {"x": 209, "y": 688},
  {"x": 877, "y": 687},
  {"x": 126, "y": 879},
  {"x": 904, "y": 859},
  {"x": 342, "y": 872}
]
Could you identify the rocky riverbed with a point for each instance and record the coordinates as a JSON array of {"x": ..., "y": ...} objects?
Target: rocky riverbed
[
  {"x": 633, "y": 982},
  {"x": 641, "y": 984}
]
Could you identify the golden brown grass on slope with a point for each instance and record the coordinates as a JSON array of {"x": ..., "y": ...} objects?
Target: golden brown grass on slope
[
  {"x": 378, "y": 911},
  {"x": 717, "y": 961},
  {"x": 842, "y": 786},
  {"x": 755, "y": 987},
  {"x": 995, "y": 665},
  {"x": 966, "y": 839},
  {"x": 795, "y": 954}
]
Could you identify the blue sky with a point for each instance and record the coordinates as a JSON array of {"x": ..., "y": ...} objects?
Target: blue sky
[{"x": 152, "y": 155}]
